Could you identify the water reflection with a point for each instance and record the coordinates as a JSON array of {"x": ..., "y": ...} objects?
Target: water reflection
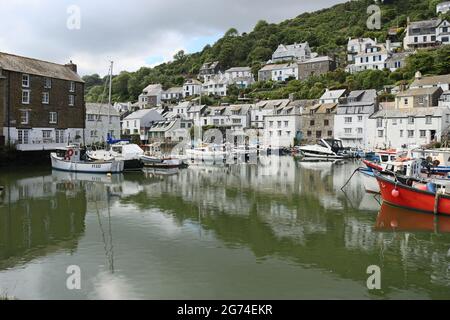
[{"x": 162, "y": 234}]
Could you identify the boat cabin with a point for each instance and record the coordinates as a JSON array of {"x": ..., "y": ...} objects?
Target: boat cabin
[{"x": 70, "y": 153}]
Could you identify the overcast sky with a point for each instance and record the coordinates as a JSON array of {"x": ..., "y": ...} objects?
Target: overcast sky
[{"x": 132, "y": 33}]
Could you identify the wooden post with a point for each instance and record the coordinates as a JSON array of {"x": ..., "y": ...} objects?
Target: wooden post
[{"x": 436, "y": 202}]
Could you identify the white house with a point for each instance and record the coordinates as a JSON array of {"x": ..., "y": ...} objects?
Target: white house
[
  {"x": 284, "y": 71},
  {"x": 236, "y": 117},
  {"x": 444, "y": 101},
  {"x": 172, "y": 94},
  {"x": 373, "y": 57},
  {"x": 195, "y": 113},
  {"x": 400, "y": 128},
  {"x": 443, "y": 33},
  {"x": 442, "y": 81},
  {"x": 350, "y": 121},
  {"x": 170, "y": 130},
  {"x": 242, "y": 77},
  {"x": 192, "y": 87},
  {"x": 443, "y": 7},
  {"x": 296, "y": 51},
  {"x": 216, "y": 85},
  {"x": 151, "y": 96},
  {"x": 139, "y": 122},
  {"x": 101, "y": 120},
  {"x": 283, "y": 126},
  {"x": 358, "y": 45},
  {"x": 332, "y": 96},
  {"x": 426, "y": 33},
  {"x": 264, "y": 108}
]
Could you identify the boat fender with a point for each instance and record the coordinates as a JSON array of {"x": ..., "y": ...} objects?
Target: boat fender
[{"x": 395, "y": 193}]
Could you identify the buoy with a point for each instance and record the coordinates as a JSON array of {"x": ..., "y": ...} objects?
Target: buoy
[
  {"x": 395, "y": 193},
  {"x": 394, "y": 224},
  {"x": 109, "y": 174}
]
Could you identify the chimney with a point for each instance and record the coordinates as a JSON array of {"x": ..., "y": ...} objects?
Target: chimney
[
  {"x": 418, "y": 75},
  {"x": 388, "y": 45},
  {"x": 291, "y": 97},
  {"x": 72, "y": 66}
]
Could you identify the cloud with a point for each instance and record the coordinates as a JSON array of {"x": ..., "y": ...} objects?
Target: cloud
[{"x": 134, "y": 33}]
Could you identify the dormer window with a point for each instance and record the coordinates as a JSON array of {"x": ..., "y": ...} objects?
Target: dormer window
[{"x": 25, "y": 80}]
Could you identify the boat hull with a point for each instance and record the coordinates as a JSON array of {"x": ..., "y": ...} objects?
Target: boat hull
[
  {"x": 87, "y": 167},
  {"x": 321, "y": 156},
  {"x": 411, "y": 198},
  {"x": 369, "y": 181}
]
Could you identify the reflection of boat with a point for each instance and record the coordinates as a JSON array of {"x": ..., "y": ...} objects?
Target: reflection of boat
[
  {"x": 369, "y": 181},
  {"x": 161, "y": 172},
  {"x": 69, "y": 159},
  {"x": 392, "y": 218},
  {"x": 325, "y": 148},
  {"x": 87, "y": 177}
]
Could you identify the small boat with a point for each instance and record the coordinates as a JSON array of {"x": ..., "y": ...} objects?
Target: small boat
[
  {"x": 440, "y": 158},
  {"x": 161, "y": 163},
  {"x": 208, "y": 153},
  {"x": 71, "y": 158},
  {"x": 325, "y": 149},
  {"x": 412, "y": 195},
  {"x": 122, "y": 150}
]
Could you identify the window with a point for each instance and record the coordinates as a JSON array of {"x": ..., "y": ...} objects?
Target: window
[
  {"x": 279, "y": 133},
  {"x": 47, "y": 83},
  {"x": 360, "y": 118},
  {"x": 288, "y": 133},
  {"x": 286, "y": 123},
  {"x": 406, "y": 101},
  {"x": 410, "y": 133},
  {"x": 309, "y": 133},
  {"x": 360, "y": 130},
  {"x": 59, "y": 136},
  {"x": 401, "y": 133},
  {"x": 256, "y": 118},
  {"x": 25, "y": 80},
  {"x": 330, "y": 133},
  {"x": 380, "y": 133},
  {"x": 379, "y": 122},
  {"x": 53, "y": 117},
  {"x": 93, "y": 133},
  {"x": 311, "y": 123},
  {"x": 410, "y": 120},
  {"x": 26, "y": 96},
  {"x": 279, "y": 124},
  {"x": 45, "y": 98},
  {"x": 423, "y": 133},
  {"x": 271, "y": 124},
  {"x": 237, "y": 121},
  {"x": 348, "y": 119},
  {"x": 216, "y": 122},
  {"x": 394, "y": 122},
  {"x": 72, "y": 86},
  {"x": 318, "y": 134},
  {"x": 46, "y": 135},
  {"x": 71, "y": 100},
  {"x": 24, "y": 117},
  {"x": 326, "y": 122},
  {"x": 23, "y": 136},
  {"x": 348, "y": 130},
  {"x": 428, "y": 119}
]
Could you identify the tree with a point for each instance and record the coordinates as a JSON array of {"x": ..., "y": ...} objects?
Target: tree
[{"x": 179, "y": 56}]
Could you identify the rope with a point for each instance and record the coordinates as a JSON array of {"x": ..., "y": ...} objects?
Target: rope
[{"x": 348, "y": 181}]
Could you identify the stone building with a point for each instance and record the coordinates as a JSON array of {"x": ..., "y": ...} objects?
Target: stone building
[
  {"x": 318, "y": 122},
  {"x": 315, "y": 67}
]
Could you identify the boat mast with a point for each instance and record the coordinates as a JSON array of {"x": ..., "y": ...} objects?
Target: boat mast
[{"x": 109, "y": 98}]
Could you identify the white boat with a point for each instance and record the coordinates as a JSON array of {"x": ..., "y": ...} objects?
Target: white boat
[
  {"x": 69, "y": 159},
  {"x": 324, "y": 149},
  {"x": 369, "y": 181},
  {"x": 161, "y": 163},
  {"x": 122, "y": 151},
  {"x": 207, "y": 153},
  {"x": 440, "y": 158}
]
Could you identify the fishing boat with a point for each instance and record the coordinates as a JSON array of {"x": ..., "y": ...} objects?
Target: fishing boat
[
  {"x": 325, "y": 149},
  {"x": 120, "y": 150},
  {"x": 73, "y": 159},
  {"x": 409, "y": 194},
  {"x": 207, "y": 153},
  {"x": 161, "y": 163},
  {"x": 439, "y": 158}
]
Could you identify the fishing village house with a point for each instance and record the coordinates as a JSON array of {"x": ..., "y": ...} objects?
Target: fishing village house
[
  {"x": 403, "y": 128},
  {"x": 353, "y": 112},
  {"x": 332, "y": 96},
  {"x": 443, "y": 7},
  {"x": 295, "y": 52},
  {"x": 101, "y": 120},
  {"x": 216, "y": 86},
  {"x": 441, "y": 81},
  {"x": 173, "y": 94},
  {"x": 357, "y": 46},
  {"x": 373, "y": 57},
  {"x": 318, "y": 122},
  {"x": 208, "y": 70},
  {"x": 191, "y": 88},
  {"x": 283, "y": 125},
  {"x": 234, "y": 117},
  {"x": 444, "y": 100},
  {"x": 426, "y": 34},
  {"x": 42, "y": 103},
  {"x": 418, "y": 98},
  {"x": 242, "y": 77},
  {"x": 174, "y": 128},
  {"x": 195, "y": 113},
  {"x": 396, "y": 60},
  {"x": 151, "y": 96},
  {"x": 281, "y": 71},
  {"x": 315, "y": 67},
  {"x": 265, "y": 73},
  {"x": 139, "y": 122},
  {"x": 264, "y": 108}
]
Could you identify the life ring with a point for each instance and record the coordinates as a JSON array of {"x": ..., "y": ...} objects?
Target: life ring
[{"x": 70, "y": 153}]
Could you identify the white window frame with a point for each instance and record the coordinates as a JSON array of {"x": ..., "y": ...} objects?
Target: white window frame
[
  {"x": 24, "y": 114},
  {"x": 71, "y": 100},
  {"x": 23, "y": 136},
  {"x": 25, "y": 80},
  {"x": 53, "y": 117},
  {"x": 28, "y": 100},
  {"x": 72, "y": 86},
  {"x": 44, "y": 96}
]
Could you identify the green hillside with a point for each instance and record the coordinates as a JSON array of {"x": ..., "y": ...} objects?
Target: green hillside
[{"x": 327, "y": 32}]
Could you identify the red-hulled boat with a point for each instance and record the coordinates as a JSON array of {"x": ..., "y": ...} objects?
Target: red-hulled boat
[
  {"x": 404, "y": 196},
  {"x": 393, "y": 218}
]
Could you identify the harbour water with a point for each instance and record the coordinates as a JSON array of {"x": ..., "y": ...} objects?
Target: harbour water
[{"x": 282, "y": 229}]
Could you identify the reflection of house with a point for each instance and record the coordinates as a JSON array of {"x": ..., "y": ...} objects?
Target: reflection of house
[
  {"x": 97, "y": 124},
  {"x": 242, "y": 77},
  {"x": 351, "y": 118},
  {"x": 396, "y": 128},
  {"x": 296, "y": 51},
  {"x": 46, "y": 102},
  {"x": 418, "y": 98},
  {"x": 139, "y": 122},
  {"x": 315, "y": 67},
  {"x": 151, "y": 96},
  {"x": 318, "y": 122}
]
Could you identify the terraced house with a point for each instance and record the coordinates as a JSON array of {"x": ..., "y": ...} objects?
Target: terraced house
[{"x": 42, "y": 103}]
